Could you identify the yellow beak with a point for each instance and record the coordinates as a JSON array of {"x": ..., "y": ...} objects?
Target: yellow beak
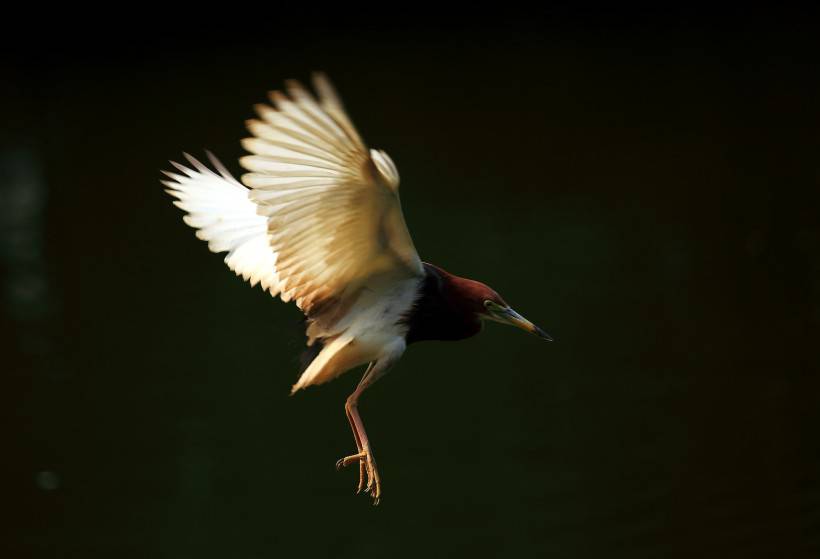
[{"x": 509, "y": 316}]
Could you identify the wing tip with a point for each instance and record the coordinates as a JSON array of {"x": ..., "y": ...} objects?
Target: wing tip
[
  {"x": 261, "y": 109},
  {"x": 319, "y": 78},
  {"x": 296, "y": 89}
]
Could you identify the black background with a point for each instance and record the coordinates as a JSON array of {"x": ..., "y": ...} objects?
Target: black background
[{"x": 643, "y": 186}]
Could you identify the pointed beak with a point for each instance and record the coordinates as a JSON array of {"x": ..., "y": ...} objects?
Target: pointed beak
[{"x": 509, "y": 316}]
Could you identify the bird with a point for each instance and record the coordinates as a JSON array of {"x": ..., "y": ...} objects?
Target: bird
[{"x": 317, "y": 220}]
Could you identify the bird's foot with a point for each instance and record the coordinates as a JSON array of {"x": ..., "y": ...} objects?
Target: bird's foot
[
  {"x": 361, "y": 458},
  {"x": 367, "y": 467}
]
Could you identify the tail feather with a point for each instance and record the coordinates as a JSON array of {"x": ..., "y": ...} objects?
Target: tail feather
[{"x": 327, "y": 364}]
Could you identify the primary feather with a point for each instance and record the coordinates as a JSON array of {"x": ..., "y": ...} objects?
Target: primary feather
[
  {"x": 318, "y": 221},
  {"x": 221, "y": 210}
]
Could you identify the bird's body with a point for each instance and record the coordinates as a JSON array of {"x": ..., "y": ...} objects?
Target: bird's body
[
  {"x": 318, "y": 221},
  {"x": 373, "y": 329}
]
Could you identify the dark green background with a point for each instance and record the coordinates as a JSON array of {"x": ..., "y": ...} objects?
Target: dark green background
[{"x": 646, "y": 191}]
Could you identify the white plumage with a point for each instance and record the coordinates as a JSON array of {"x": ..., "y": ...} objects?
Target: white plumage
[
  {"x": 318, "y": 220},
  {"x": 371, "y": 331},
  {"x": 221, "y": 210}
]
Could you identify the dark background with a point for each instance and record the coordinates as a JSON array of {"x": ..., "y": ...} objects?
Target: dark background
[{"x": 644, "y": 188}]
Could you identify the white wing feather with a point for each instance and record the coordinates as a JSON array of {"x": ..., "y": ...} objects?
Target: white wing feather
[
  {"x": 221, "y": 211},
  {"x": 319, "y": 219}
]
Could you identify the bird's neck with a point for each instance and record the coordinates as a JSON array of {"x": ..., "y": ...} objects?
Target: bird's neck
[
  {"x": 463, "y": 294},
  {"x": 444, "y": 309}
]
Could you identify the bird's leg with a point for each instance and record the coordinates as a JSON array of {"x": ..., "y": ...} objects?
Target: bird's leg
[
  {"x": 364, "y": 456},
  {"x": 358, "y": 457},
  {"x": 345, "y": 461}
]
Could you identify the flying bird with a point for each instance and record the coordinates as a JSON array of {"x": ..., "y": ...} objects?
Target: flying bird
[{"x": 317, "y": 220}]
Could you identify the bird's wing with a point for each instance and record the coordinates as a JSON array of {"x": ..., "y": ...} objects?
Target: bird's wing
[
  {"x": 220, "y": 209},
  {"x": 330, "y": 208}
]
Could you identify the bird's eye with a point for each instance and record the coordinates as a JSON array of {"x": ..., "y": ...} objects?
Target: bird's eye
[{"x": 488, "y": 303}]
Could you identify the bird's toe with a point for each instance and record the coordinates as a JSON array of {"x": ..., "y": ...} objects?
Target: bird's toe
[{"x": 369, "y": 481}]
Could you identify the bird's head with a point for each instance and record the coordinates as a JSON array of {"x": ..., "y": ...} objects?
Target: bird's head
[{"x": 490, "y": 306}]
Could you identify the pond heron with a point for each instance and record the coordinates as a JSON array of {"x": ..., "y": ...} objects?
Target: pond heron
[{"x": 317, "y": 220}]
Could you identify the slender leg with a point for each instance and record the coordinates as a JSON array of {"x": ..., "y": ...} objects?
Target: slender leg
[
  {"x": 359, "y": 455},
  {"x": 341, "y": 463},
  {"x": 364, "y": 456}
]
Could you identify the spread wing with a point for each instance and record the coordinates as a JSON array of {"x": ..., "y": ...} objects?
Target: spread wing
[{"x": 318, "y": 218}]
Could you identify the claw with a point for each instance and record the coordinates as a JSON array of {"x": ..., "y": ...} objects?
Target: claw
[
  {"x": 342, "y": 463},
  {"x": 367, "y": 467}
]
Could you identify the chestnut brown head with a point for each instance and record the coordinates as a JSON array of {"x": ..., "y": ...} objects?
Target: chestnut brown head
[{"x": 489, "y": 305}]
